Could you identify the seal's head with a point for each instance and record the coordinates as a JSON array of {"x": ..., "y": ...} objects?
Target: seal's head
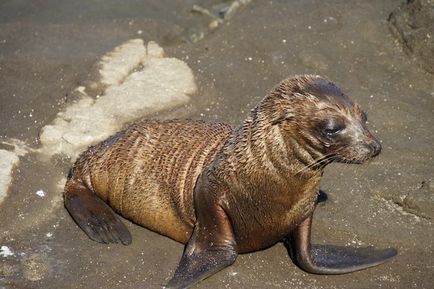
[{"x": 316, "y": 115}]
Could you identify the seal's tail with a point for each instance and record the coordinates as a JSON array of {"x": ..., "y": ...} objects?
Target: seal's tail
[{"x": 94, "y": 216}]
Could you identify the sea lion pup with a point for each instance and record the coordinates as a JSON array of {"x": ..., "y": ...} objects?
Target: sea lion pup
[{"x": 224, "y": 191}]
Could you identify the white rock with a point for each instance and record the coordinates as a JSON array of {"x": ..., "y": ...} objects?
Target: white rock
[
  {"x": 8, "y": 160},
  {"x": 116, "y": 65},
  {"x": 162, "y": 83},
  {"x": 40, "y": 193},
  {"x": 5, "y": 251},
  {"x": 154, "y": 50}
]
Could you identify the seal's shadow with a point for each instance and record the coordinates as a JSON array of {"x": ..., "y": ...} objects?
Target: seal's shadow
[{"x": 322, "y": 197}]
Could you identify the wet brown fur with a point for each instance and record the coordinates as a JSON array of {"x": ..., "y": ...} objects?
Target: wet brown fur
[
  {"x": 148, "y": 171},
  {"x": 265, "y": 174}
]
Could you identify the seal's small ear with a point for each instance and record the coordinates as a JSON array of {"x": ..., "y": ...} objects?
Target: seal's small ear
[{"x": 282, "y": 118}]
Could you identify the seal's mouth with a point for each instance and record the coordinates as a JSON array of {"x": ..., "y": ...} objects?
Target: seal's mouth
[
  {"x": 350, "y": 161},
  {"x": 358, "y": 155}
]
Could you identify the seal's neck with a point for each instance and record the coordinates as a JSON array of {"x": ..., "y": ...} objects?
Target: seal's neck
[{"x": 258, "y": 145}]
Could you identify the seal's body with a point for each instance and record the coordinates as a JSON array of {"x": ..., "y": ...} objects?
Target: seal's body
[
  {"x": 147, "y": 172},
  {"x": 225, "y": 191}
]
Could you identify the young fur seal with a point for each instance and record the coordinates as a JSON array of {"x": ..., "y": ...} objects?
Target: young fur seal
[{"x": 224, "y": 191}]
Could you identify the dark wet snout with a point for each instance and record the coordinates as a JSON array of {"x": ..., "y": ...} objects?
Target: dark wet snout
[
  {"x": 375, "y": 147},
  {"x": 364, "y": 147}
]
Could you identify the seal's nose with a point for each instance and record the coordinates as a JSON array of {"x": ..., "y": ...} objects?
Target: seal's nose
[{"x": 375, "y": 147}]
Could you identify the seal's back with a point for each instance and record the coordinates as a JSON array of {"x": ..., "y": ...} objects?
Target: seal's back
[{"x": 148, "y": 171}]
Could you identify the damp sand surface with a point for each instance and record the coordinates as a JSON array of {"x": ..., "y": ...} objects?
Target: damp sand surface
[{"x": 51, "y": 55}]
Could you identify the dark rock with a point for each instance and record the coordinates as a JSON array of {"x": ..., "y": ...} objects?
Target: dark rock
[
  {"x": 412, "y": 24},
  {"x": 421, "y": 202},
  {"x": 418, "y": 201}
]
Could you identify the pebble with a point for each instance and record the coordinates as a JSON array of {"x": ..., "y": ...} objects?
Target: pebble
[{"x": 5, "y": 251}]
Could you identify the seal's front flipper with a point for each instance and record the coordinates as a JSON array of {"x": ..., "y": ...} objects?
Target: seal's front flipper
[
  {"x": 327, "y": 259},
  {"x": 94, "y": 216},
  {"x": 210, "y": 249},
  {"x": 199, "y": 265},
  {"x": 212, "y": 245}
]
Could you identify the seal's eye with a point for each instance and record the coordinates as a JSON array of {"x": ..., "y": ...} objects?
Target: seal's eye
[
  {"x": 332, "y": 127},
  {"x": 332, "y": 131}
]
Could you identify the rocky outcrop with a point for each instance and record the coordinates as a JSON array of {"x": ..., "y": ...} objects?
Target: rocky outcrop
[{"x": 412, "y": 24}]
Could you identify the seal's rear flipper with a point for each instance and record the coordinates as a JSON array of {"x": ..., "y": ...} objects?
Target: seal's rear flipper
[
  {"x": 328, "y": 259},
  {"x": 94, "y": 216}
]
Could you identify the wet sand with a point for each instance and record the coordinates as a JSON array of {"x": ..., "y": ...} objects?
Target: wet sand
[{"x": 49, "y": 48}]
